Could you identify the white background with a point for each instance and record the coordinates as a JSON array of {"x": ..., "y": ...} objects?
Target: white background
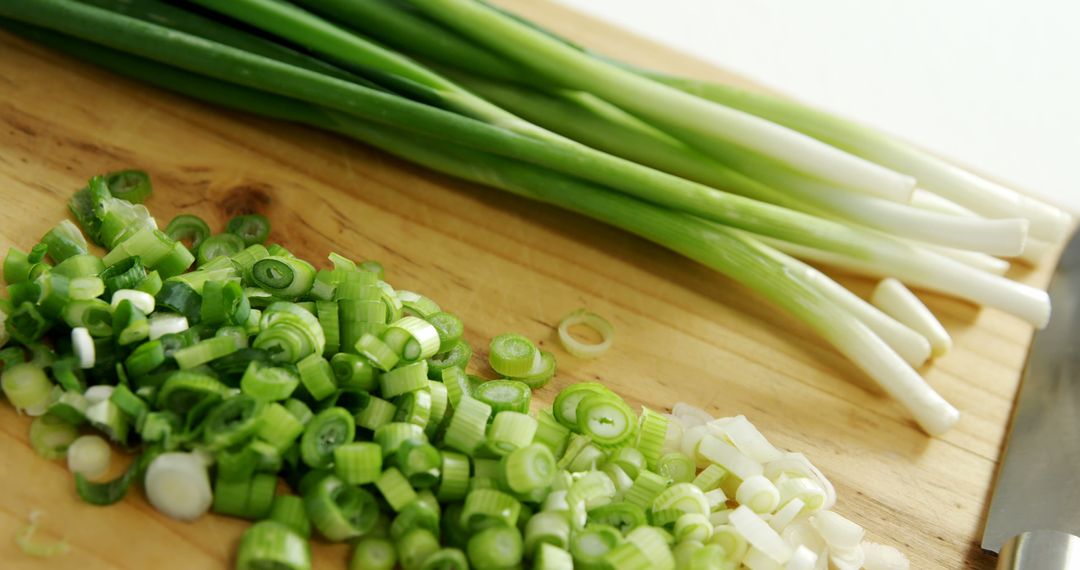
[{"x": 993, "y": 84}]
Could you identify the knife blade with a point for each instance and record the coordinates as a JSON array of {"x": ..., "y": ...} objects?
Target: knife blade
[{"x": 1034, "y": 519}]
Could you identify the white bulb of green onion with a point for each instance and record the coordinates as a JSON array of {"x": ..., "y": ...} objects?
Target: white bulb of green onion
[
  {"x": 837, "y": 531},
  {"x": 759, "y": 494},
  {"x": 896, "y": 300},
  {"x": 745, "y": 437},
  {"x": 787, "y": 513},
  {"x": 178, "y": 486},
  {"x": 89, "y": 455},
  {"x": 98, "y": 394},
  {"x": 84, "y": 347},
  {"x": 142, "y": 300},
  {"x": 883, "y": 557},
  {"x": 802, "y": 559},
  {"x": 165, "y": 323}
]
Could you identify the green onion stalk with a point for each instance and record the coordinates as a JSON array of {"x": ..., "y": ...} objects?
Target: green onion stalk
[
  {"x": 734, "y": 253},
  {"x": 356, "y": 100}
]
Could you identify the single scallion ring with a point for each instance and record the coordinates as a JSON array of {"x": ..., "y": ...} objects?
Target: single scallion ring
[{"x": 593, "y": 321}]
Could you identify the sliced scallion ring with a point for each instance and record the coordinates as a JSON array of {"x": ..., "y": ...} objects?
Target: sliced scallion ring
[
  {"x": 252, "y": 228},
  {"x": 593, "y": 321},
  {"x": 512, "y": 355},
  {"x": 188, "y": 227}
]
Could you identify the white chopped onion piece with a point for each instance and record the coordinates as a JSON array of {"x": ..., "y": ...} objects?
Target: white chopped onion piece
[
  {"x": 731, "y": 540},
  {"x": 142, "y": 300},
  {"x": 783, "y": 517},
  {"x": 847, "y": 558},
  {"x": 883, "y": 557},
  {"x": 760, "y": 535},
  {"x": 720, "y": 518},
  {"x": 798, "y": 464},
  {"x": 896, "y": 300},
  {"x": 556, "y": 501},
  {"x": 686, "y": 412},
  {"x": 726, "y": 456},
  {"x": 690, "y": 441},
  {"x": 98, "y": 394},
  {"x": 803, "y": 488},
  {"x": 593, "y": 321},
  {"x": 838, "y": 532},
  {"x": 758, "y": 560},
  {"x": 162, "y": 324},
  {"x": 674, "y": 436},
  {"x": 802, "y": 533},
  {"x": 83, "y": 346},
  {"x": 716, "y": 499},
  {"x": 177, "y": 485},
  {"x": 802, "y": 559},
  {"x": 746, "y": 438},
  {"x": 759, "y": 494},
  {"x": 89, "y": 455}
]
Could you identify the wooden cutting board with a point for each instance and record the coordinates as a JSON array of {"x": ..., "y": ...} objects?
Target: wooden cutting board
[{"x": 502, "y": 264}]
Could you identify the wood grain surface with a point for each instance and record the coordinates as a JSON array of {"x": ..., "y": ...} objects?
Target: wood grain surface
[{"x": 684, "y": 333}]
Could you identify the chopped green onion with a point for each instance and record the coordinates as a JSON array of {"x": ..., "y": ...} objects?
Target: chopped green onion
[
  {"x": 269, "y": 383},
  {"x": 404, "y": 379},
  {"x": 270, "y": 544},
  {"x": 284, "y": 277},
  {"x": 51, "y": 436},
  {"x": 219, "y": 245},
  {"x": 358, "y": 463},
  {"x": 454, "y": 483},
  {"x": 541, "y": 373},
  {"x": 76, "y": 266},
  {"x": 64, "y": 241},
  {"x": 340, "y": 511},
  {"x": 510, "y": 430},
  {"x": 377, "y": 351},
  {"x": 131, "y": 185},
  {"x": 457, "y": 354},
  {"x": 468, "y": 426},
  {"x": 496, "y": 547},
  {"x": 28, "y": 546},
  {"x": 504, "y": 395},
  {"x": 232, "y": 422},
  {"x": 419, "y": 462},
  {"x": 529, "y": 468},
  {"x": 652, "y": 433},
  {"x": 252, "y": 228},
  {"x": 395, "y": 489},
  {"x": 677, "y": 467},
  {"x": 353, "y": 371},
  {"x": 279, "y": 427},
  {"x": 188, "y": 227},
  {"x": 450, "y": 329},
  {"x": 566, "y": 402},
  {"x": 108, "y": 492},
  {"x": 593, "y": 321},
  {"x": 376, "y": 413},
  {"x": 512, "y": 355},
  {"x": 27, "y": 387},
  {"x": 317, "y": 376},
  {"x": 289, "y": 510},
  {"x": 422, "y": 339},
  {"x": 326, "y": 431},
  {"x": 141, "y": 300},
  {"x": 487, "y": 507},
  {"x": 590, "y": 545},
  {"x": 204, "y": 351},
  {"x": 550, "y": 557},
  {"x": 180, "y": 298},
  {"x": 373, "y": 553}
]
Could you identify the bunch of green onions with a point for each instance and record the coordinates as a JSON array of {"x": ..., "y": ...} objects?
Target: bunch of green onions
[
  {"x": 256, "y": 367},
  {"x": 741, "y": 182}
]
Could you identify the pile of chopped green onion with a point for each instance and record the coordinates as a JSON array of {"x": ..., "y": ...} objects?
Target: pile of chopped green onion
[
  {"x": 325, "y": 404},
  {"x": 741, "y": 182}
]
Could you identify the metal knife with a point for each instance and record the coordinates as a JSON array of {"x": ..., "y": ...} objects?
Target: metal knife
[{"x": 1034, "y": 521}]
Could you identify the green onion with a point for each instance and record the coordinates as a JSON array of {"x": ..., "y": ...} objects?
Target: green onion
[
  {"x": 64, "y": 241},
  {"x": 353, "y": 371},
  {"x": 51, "y": 436},
  {"x": 284, "y": 277},
  {"x": 279, "y": 427},
  {"x": 27, "y": 388},
  {"x": 496, "y": 547},
  {"x": 449, "y": 327},
  {"x": 593, "y": 321},
  {"x": 79, "y": 266},
  {"x": 188, "y": 227},
  {"x": 109, "y": 492},
  {"x": 677, "y": 467},
  {"x": 204, "y": 351},
  {"x": 415, "y": 546},
  {"x": 270, "y": 544},
  {"x": 38, "y": 549},
  {"x": 377, "y": 352},
  {"x": 510, "y": 430},
  {"x": 316, "y": 376},
  {"x": 289, "y": 510},
  {"x": 590, "y": 545},
  {"x": 395, "y": 489},
  {"x": 232, "y": 422},
  {"x": 340, "y": 511},
  {"x": 373, "y": 554},
  {"x": 468, "y": 427},
  {"x": 457, "y": 354},
  {"x": 358, "y": 463},
  {"x": 404, "y": 379},
  {"x": 269, "y": 383},
  {"x": 504, "y": 395},
  {"x": 511, "y": 355},
  {"x": 419, "y": 462},
  {"x": 131, "y": 185},
  {"x": 455, "y": 476},
  {"x": 219, "y": 245},
  {"x": 376, "y": 413},
  {"x": 529, "y": 468},
  {"x": 566, "y": 402},
  {"x": 486, "y": 507},
  {"x": 326, "y": 431},
  {"x": 252, "y": 228}
]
